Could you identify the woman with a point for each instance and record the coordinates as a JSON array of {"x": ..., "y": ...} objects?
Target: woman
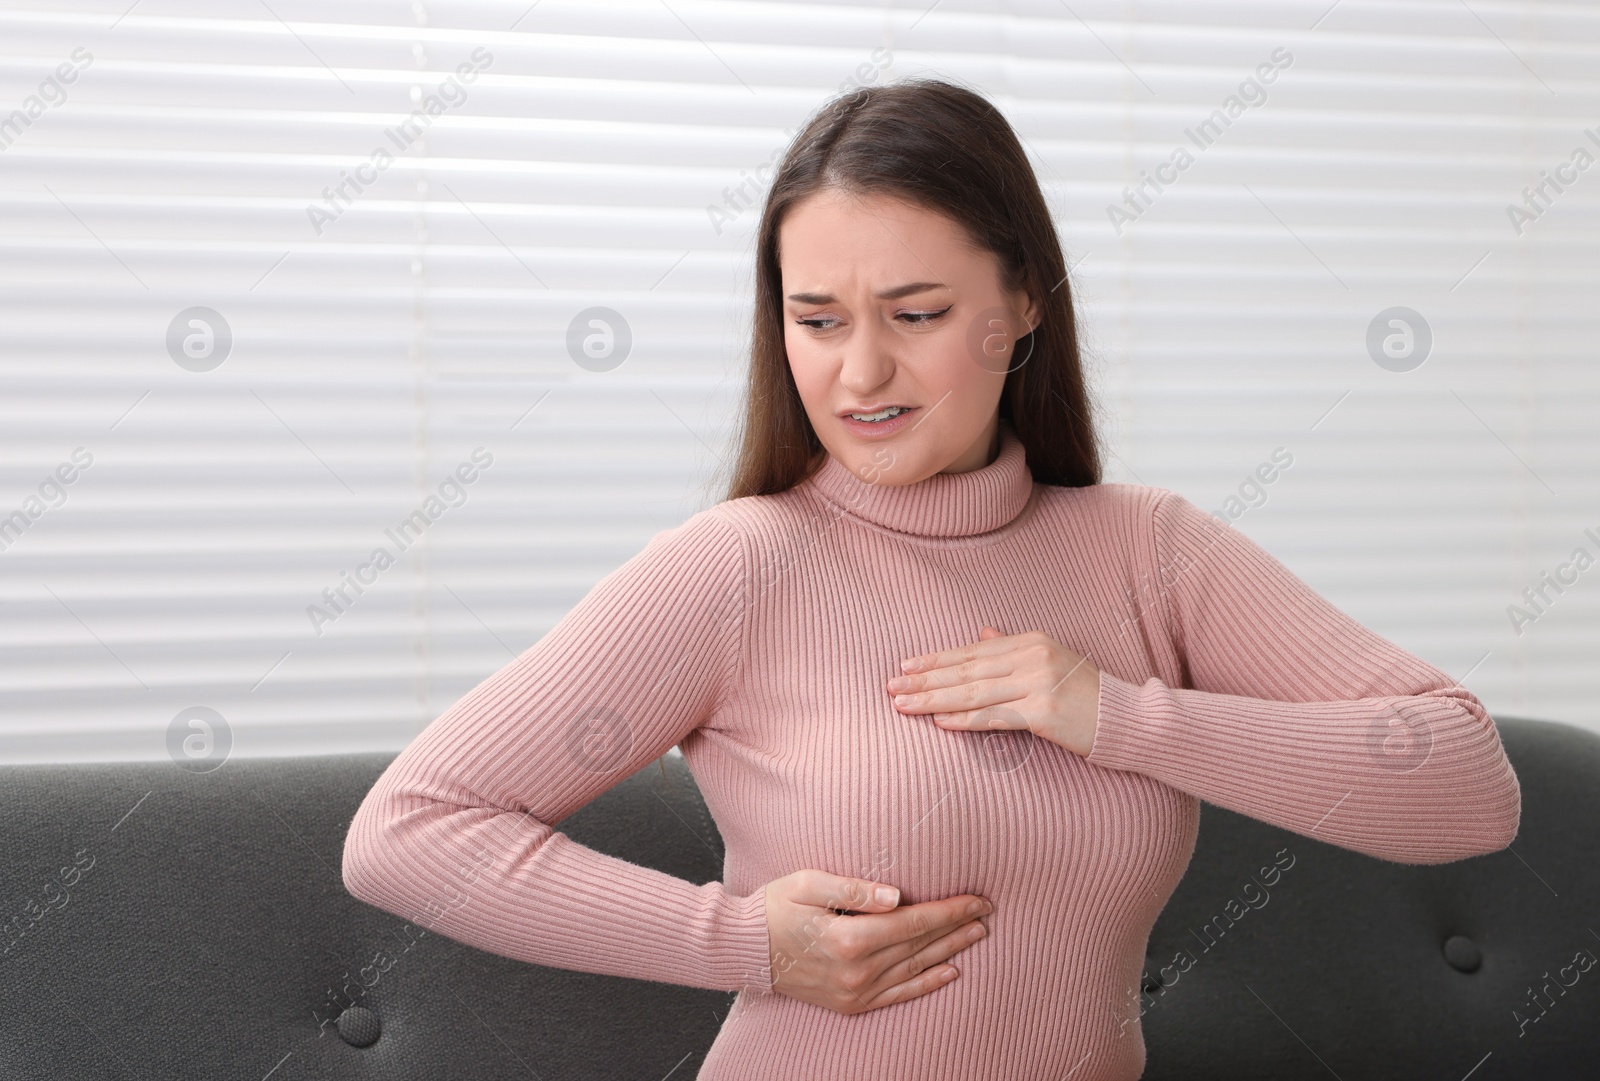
[{"x": 952, "y": 702}]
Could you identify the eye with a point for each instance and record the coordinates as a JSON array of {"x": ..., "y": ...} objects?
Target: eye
[{"x": 915, "y": 319}]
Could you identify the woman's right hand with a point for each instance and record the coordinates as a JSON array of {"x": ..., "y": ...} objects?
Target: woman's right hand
[{"x": 854, "y": 963}]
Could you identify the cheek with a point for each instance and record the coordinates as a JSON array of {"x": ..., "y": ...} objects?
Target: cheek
[
  {"x": 806, "y": 365},
  {"x": 944, "y": 363}
]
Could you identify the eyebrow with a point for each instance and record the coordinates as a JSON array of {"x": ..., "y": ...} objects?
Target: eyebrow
[{"x": 888, "y": 294}]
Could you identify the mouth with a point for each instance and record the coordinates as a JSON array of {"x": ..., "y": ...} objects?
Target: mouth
[
  {"x": 878, "y": 416},
  {"x": 880, "y": 423}
]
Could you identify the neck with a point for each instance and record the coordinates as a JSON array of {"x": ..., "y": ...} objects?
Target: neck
[
  {"x": 944, "y": 505},
  {"x": 976, "y": 459}
]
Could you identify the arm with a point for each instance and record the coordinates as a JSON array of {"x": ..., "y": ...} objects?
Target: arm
[
  {"x": 456, "y": 833},
  {"x": 1295, "y": 714}
]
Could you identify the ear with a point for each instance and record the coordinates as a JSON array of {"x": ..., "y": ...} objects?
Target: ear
[{"x": 1031, "y": 314}]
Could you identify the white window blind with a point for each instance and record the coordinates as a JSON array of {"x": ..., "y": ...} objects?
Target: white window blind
[{"x": 280, "y": 277}]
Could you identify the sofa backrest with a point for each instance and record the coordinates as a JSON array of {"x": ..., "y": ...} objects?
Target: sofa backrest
[
  {"x": 168, "y": 924},
  {"x": 1356, "y": 967}
]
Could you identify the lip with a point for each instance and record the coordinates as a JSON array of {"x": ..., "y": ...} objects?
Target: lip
[
  {"x": 880, "y": 407},
  {"x": 881, "y": 429}
]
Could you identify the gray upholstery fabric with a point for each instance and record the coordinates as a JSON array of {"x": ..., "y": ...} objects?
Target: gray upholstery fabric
[
  {"x": 165, "y": 924},
  {"x": 1346, "y": 964}
]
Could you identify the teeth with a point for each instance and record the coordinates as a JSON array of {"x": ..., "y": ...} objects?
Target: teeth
[{"x": 892, "y": 411}]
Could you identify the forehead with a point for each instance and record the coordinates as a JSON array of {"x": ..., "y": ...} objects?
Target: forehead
[{"x": 832, "y": 238}]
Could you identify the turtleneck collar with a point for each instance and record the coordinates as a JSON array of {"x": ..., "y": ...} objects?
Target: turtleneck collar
[{"x": 943, "y": 505}]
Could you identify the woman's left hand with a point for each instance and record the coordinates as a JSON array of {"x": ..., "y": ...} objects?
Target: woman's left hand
[{"x": 1042, "y": 686}]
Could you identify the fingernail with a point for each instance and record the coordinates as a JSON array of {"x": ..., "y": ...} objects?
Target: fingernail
[
  {"x": 975, "y": 932},
  {"x": 975, "y": 908},
  {"x": 886, "y": 895},
  {"x": 908, "y": 666}
]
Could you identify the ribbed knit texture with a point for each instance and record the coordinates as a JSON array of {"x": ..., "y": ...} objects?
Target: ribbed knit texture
[{"x": 758, "y": 636}]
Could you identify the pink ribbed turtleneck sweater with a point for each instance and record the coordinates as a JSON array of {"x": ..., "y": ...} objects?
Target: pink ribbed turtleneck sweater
[{"x": 758, "y": 637}]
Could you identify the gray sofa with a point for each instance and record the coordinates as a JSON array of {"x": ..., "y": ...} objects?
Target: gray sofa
[{"x": 168, "y": 924}]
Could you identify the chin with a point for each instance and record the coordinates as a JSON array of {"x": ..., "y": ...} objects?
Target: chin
[{"x": 896, "y": 462}]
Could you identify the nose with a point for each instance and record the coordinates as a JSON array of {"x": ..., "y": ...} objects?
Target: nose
[{"x": 868, "y": 360}]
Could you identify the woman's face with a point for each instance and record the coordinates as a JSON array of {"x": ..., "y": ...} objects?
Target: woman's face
[{"x": 887, "y": 304}]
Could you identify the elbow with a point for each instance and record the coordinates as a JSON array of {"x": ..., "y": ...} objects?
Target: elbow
[
  {"x": 362, "y": 865},
  {"x": 1490, "y": 836},
  {"x": 1494, "y": 816},
  {"x": 1481, "y": 826},
  {"x": 1503, "y": 817},
  {"x": 1485, "y": 814},
  {"x": 1480, "y": 843},
  {"x": 356, "y": 871}
]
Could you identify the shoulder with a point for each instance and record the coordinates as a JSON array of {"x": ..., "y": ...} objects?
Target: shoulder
[
  {"x": 1141, "y": 523},
  {"x": 1113, "y": 504},
  {"x": 763, "y": 522},
  {"x": 726, "y": 540},
  {"x": 697, "y": 562}
]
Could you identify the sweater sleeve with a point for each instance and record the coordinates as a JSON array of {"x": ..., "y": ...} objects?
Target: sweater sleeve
[
  {"x": 1293, "y": 713},
  {"x": 457, "y": 834}
]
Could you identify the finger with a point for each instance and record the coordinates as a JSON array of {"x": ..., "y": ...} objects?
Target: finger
[
  {"x": 968, "y": 696},
  {"x": 842, "y": 892},
  {"x": 917, "y": 986},
  {"x": 947, "y": 937},
  {"x": 895, "y": 952},
  {"x": 922, "y": 662},
  {"x": 925, "y": 970},
  {"x": 1000, "y": 718},
  {"x": 962, "y": 672},
  {"x": 919, "y": 924},
  {"x": 936, "y": 952}
]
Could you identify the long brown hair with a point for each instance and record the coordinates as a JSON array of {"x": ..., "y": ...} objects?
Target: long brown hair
[{"x": 946, "y": 148}]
